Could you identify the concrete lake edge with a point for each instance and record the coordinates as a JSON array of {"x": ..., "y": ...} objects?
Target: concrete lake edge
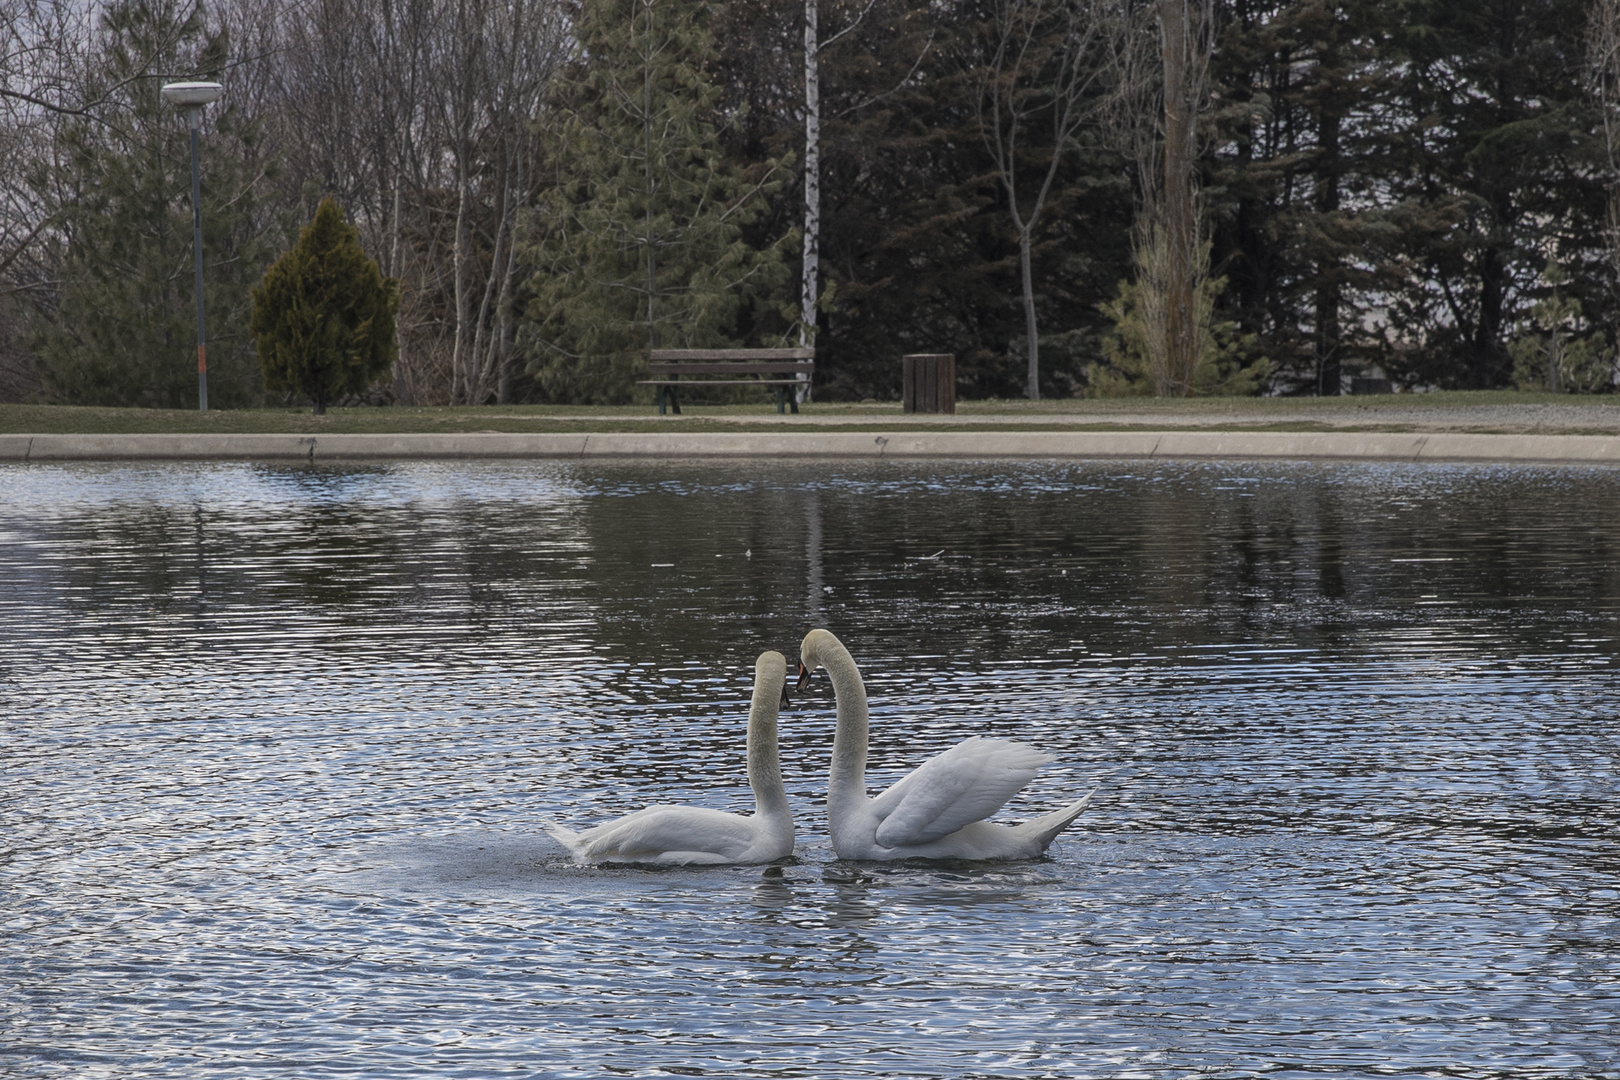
[{"x": 1172, "y": 444}]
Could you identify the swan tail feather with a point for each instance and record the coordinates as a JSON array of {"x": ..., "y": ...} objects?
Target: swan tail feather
[
  {"x": 1044, "y": 829},
  {"x": 568, "y": 838}
]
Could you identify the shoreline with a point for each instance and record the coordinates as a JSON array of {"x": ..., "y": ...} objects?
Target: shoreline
[{"x": 1141, "y": 445}]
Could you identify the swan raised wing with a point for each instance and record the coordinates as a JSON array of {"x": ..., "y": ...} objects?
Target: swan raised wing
[
  {"x": 966, "y": 783},
  {"x": 938, "y": 810}
]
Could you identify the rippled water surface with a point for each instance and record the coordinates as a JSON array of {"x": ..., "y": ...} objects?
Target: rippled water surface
[{"x": 278, "y": 745}]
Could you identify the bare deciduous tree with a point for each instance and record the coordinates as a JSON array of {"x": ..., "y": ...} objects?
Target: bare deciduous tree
[
  {"x": 44, "y": 79},
  {"x": 418, "y": 115},
  {"x": 506, "y": 55},
  {"x": 1042, "y": 74}
]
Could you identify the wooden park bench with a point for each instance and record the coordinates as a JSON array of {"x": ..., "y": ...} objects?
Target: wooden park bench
[{"x": 780, "y": 368}]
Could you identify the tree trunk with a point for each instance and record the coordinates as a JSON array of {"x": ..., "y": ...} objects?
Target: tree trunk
[
  {"x": 1180, "y": 209},
  {"x": 403, "y": 393},
  {"x": 810, "y": 282},
  {"x": 1486, "y": 348},
  {"x": 651, "y": 181},
  {"x": 493, "y": 373},
  {"x": 1032, "y": 341},
  {"x": 503, "y": 308},
  {"x": 1329, "y": 371},
  {"x": 1329, "y": 377},
  {"x": 468, "y": 89},
  {"x": 458, "y": 353},
  {"x": 503, "y": 377},
  {"x": 479, "y": 368},
  {"x": 499, "y": 366}
]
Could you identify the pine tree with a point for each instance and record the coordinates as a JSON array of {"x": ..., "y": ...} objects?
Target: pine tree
[
  {"x": 641, "y": 244},
  {"x": 121, "y": 329},
  {"x": 1296, "y": 233},
  {"x": 1499, "y": 136},
  {"x": 323, "y": 317}
]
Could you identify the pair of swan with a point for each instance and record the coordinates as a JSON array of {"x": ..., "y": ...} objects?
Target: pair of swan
[{"x": 936, "y": 811}]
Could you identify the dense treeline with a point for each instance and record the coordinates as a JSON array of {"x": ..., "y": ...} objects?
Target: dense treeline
[{"x": 1114, "y": 196}]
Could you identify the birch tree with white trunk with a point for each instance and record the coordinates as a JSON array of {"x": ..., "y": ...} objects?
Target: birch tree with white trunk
[{"x": 810, "y": 280}]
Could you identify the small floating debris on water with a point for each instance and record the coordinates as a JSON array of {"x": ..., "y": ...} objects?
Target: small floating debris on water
[
  {"x": 927, "y": 558},
  {"x": 656, "y": 565}
]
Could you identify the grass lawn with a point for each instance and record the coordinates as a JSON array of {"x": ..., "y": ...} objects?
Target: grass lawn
[{"x": 1455, "y": 410}]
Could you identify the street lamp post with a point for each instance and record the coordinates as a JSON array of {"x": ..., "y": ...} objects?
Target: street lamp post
[{"x": 192, "y": 96}]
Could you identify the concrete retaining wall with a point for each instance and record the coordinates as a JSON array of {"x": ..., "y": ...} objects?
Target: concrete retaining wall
[{"x": 1405, "y": 446}]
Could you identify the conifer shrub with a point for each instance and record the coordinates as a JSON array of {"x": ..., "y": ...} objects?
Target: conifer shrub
[{"x": 323, "y": 317}]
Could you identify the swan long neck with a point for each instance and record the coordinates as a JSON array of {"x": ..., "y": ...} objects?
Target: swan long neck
[
  {"x": 847, "y": 780},
  {"x": 764, "y": 762}
]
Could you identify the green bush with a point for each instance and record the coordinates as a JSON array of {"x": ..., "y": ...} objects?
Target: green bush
[{"x": 323, "y": 317}]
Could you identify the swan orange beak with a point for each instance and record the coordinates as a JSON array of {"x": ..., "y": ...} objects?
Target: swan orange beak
[{"x": 804, "y": 680}]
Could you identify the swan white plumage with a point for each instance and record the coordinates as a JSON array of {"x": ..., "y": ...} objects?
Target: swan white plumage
[
  {"x": 679, "y": 835},
  {"x": 937, "y": 810}
]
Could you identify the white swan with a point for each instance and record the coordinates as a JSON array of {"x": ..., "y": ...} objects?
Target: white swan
[
  {"x": 937, "y": 810},
  {"x": 693, "y": 834}
]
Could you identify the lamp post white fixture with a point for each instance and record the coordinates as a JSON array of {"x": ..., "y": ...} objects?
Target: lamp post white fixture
[{"x": 192, "y": 96}]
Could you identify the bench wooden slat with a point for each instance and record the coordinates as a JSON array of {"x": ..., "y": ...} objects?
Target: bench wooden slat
[
  {"x": 784, "y": 368},
  {"x": 657, "y": 355},
  {"x": 717, "y": 382}
]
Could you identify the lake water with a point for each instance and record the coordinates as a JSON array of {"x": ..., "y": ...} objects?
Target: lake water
[{"x": 278, "y": 744}]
